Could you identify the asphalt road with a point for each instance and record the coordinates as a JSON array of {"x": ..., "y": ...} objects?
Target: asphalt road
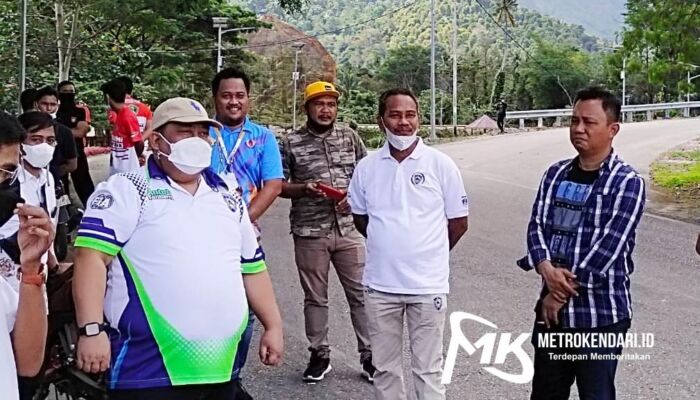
[{"x": 501, "y": 174}]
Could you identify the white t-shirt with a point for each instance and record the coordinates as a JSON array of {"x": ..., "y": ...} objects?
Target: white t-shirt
[
  {"x": 408, "y": 205},
  {"x": 8, "y": 370}
]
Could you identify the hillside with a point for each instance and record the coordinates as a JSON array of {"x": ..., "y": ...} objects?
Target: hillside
[
  {"x": 599, "y": 17},
  {"x": 375, "y": 26}
]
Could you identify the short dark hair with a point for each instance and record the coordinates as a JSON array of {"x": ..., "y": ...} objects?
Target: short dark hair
[
  {"x": 115, "y": 89},
  {"x": 46, "y": 91},
  {"x": 229, "y": 73},
  {"x": 64, "y": 83},
  {"x": 35, "y": 120},
  {"x": 11, "y": 132},
  {"x": 129, "y": 84},
  {"x": 611, "y": 104},
  {"x": 384, "y": 98},
  {"x": 28, "y": 98}
]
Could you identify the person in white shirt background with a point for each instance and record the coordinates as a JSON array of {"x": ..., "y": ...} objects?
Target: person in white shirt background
[
  {"x": 23, "y": 322},
  {"x": 409, "y": 201},
  {"x": 36, "y": 187}
]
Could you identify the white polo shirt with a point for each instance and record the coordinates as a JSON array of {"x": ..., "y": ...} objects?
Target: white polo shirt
[
  {"x": 408, "y": 205},
  {"x": 8, "y": 371},
  {"x": 175, "y": 298},
  {"x": 39, "y": 191}
]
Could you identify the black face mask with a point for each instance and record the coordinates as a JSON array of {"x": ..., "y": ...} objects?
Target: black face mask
[
  {"x": 9, "y": 197},
  {"x": 66, "y": 98}
]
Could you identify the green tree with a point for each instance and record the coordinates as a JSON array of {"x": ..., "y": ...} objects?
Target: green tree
[
  {"x": 407, "y": 67},
  {"x": 555, "y": 73},
  {"x": 660, "y": 41}
]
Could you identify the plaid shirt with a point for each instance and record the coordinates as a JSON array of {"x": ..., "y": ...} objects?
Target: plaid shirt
[{"x": 602, "y": 254}]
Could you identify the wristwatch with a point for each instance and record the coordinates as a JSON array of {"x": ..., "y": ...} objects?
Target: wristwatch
[
  {"x": 33, "y": 279},
  {"x": 93, "y": 329}
]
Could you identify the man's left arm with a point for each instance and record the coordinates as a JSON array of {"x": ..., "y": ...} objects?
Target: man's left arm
[
  {"x": 456, "y": 203},
  {"x": 260, "y": 294},
  {"x": 135, "y": 133},
  {"x": 35, "y": 235},
  {"x": 272, "y": 176},
  {"x": 627, "y": 212}
]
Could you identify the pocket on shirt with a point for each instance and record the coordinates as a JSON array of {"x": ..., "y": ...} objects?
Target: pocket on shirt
[{"x": 599, "y": 213}]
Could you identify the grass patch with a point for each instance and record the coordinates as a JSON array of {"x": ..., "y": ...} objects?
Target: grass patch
[
  {"x": 691, "y": 155},
  {"x": 676, "y": 176}
]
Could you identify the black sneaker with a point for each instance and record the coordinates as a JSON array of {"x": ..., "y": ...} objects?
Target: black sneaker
[
  {"x": 317, "y": 369},
  {"x": 368, "y": 370}
]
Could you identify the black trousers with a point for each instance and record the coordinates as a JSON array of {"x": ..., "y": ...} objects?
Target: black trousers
[
  {"x": 219, "y": 391},
  {"x": 595, "y": 379},
  {"x": 501, "y": 121},
  {"x": 82, "y": 181}
]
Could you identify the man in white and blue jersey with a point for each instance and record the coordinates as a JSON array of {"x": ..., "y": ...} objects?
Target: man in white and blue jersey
[
  {"x": 580, "y": 239},
  {"x": 168, "y": 255}
]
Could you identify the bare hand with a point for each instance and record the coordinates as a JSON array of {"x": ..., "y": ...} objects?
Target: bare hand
[
  {"x": 35, "y": 235},
  {"x": 550, "y": 310},
  {"x": 94, "y": 353},
  {"x": 272, "y": 347},
  {"x": 560, "y": 281},
  {"x": 343, "y": 206},
  {"x": 311, "y": 190}
]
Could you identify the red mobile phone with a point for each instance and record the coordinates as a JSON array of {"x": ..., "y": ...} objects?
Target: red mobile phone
[{"x": 331, "y": 192}]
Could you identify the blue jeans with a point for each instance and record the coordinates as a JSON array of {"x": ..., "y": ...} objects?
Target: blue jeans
[
  {"x": 595, "y": 379},
  {"x": 243, "y": 347}
]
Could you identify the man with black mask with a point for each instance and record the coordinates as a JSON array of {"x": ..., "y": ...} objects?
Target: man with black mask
[{"x": 75, "y": 118}]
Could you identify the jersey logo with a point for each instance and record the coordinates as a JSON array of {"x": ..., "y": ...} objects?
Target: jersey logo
[
  {"x": 465, "y": 201},
  {"x": 134, "y": 108},
  {"x": 417, "y": 178},
  {"x": 230, "y": 201},
  {"x": 160, "y": 194},
  {"x": 250, "y": 143},
  {"x": 102, "y": 201}
]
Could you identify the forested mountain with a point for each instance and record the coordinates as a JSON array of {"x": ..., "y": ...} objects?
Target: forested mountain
[{"x": 371, "y": 27}]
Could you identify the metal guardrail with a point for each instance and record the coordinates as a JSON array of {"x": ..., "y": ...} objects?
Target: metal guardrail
[{"x": 566, "y": 112}]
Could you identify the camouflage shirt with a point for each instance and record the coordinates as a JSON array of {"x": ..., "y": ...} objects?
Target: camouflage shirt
[{"x": 330, "y": 158}]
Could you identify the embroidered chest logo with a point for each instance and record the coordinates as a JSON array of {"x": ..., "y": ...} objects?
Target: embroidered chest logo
[
  {"x": 102, "y": 201},
  {"x": 417, "y": 178},
  {"x": 160, "y": 194}
]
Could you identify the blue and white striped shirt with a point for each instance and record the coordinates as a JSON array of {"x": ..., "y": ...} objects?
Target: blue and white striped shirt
[{"x": 601, "y": 258}]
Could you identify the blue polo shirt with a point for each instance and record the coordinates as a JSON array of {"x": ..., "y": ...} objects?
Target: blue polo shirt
[{"x": 257, "y": 159}]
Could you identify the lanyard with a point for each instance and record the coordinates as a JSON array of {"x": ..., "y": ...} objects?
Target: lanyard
[{"x": 229, "y": 159}]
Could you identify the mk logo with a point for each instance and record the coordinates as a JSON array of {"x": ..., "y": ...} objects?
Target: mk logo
[{"x": 487, "y": 343}]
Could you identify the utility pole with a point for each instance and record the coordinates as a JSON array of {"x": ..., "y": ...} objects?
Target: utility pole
[
  {"x": 23, "y": 46},
  {"x": 623, "y": 75},
  {"x": 433, "y": 134},
  {"x": 295, "y": 77},
  {"x": 454, "y": 67},
  {"x": 221, "y": 23}
]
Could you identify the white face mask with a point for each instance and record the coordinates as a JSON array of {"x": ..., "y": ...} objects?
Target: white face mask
[
  {"x": 399, "y": 142},
  {"x": 38, "y": 156},
  {"x": 191, "y": 155}
]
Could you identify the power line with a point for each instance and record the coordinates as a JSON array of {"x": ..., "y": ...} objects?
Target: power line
[{"x": 527, "y": 52}]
